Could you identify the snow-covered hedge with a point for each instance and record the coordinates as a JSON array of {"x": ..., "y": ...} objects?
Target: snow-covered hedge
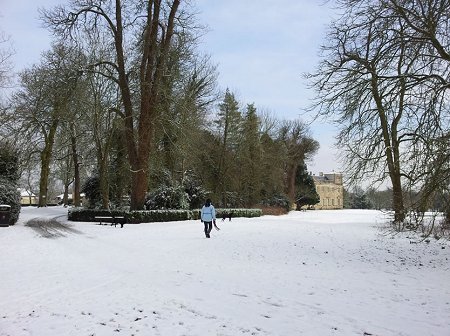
[
  {"x": 9, "y": 195},
  {"x": 144, "y": 216},
  {"x": 238, "y": 212},
  {"x": 149, "y": 216}
]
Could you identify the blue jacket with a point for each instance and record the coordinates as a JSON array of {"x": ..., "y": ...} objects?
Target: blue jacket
[{"x": 208, "y": 214}]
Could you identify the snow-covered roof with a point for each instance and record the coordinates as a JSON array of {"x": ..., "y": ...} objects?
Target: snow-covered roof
[
  {"x": 26, "y": 193},
  {"x": 70, "y": 196}
]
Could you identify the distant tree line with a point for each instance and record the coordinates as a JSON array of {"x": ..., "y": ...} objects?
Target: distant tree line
[
  {"x": 371, "y": 198},
  {"x": 124, "y": 108}
]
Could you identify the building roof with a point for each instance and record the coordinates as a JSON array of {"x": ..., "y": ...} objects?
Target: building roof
[{"x": 26, "y": 193}]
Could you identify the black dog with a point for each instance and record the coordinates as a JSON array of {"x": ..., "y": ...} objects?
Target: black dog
[{"x": 227, "y": 215}]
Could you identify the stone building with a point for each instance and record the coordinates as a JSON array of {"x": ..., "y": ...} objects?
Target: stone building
[
  {"x": 27, "y": 197},
  {"x": 331, "y": 191}
]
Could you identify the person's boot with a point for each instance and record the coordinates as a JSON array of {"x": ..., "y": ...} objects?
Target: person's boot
[{"x": 207, "y": 235}]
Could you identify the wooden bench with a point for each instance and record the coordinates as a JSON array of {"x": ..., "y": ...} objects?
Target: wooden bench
[{"x": 114, "y": 220}]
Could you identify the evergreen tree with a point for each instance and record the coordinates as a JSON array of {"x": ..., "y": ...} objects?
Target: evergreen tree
[
  {"x": 272, "y": 167},
  {"x": 9, "y": 162},
  {"x": 9, "y": 175},
  {"x": 250, "y": 158},
  {"x": 306, "y": 189},
  {"x": 298, "y": 146},
  {"x": 91, "y": 188},
  {"x": 229, "y": 125},
  {"x": 357, "y": 199}
]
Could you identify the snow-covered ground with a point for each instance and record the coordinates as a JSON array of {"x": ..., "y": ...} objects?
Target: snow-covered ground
[{"x": 305, "y": 273}]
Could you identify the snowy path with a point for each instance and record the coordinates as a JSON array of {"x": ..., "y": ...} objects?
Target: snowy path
[{"x": 306, "y": 273}]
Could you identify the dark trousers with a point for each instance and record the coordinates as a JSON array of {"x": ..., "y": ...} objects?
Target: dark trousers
[{"x": 208, "y": 227}]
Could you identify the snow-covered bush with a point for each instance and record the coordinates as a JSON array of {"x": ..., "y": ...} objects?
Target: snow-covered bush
[
  {"x": 9, "y": 161},
  {"x": 91, "y": 188},
  {"x": 9, "y": 175},
  {"x": 10, "y": 195},
  {"x": 172, "y": 194},
  {"x": 238, "y": 212},
  {"x": 167, "y": 198},
  {"x": 144, "y": 216},
  {"x": 150, "y": 216},
  {"x": 194, "y": 190},
  {"x": 281, "y": 201}
]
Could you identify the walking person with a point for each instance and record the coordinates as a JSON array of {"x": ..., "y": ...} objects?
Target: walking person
[{"x": 208, "y": 217}]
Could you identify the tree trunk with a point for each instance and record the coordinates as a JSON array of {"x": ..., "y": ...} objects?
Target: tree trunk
[
  {"x": 139, "y": 180},
  {"x": 397, "y": 200},
  {"x": 153, "y": 64},
  {"x": 291, "y": 173},
  {"x": 67, "y": 177},
  {"x": 46, "y": 155},
  {"x": 103, "y": 177},
  {"x": 76, "y": 166},
  {"x": 391, "y": 145},
  {"x": 43, "y": 180},
  {"x": 66, "y": 194}
]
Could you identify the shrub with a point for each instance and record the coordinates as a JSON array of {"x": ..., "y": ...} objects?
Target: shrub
[
  {"x": 91, "y": 188},
  {"x": 195, "y": 192},
  {"x": 150, "y": 216},
  {"x": 10, "y": 195},
  {"x": 167, "y": 198},
  {"x": 248, "y": 213},
  {"x": 238, "y": 212},
  {"x": 280, "y": 201},
  {"x": 9, "y": 175},
  {"x": 88, "y": 215},
  {"x": 9, "y": 161},
  {"x": 273, "y": 210},
  {"x": 144, "y": 216}
]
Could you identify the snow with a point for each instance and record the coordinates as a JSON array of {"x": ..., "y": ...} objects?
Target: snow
[{"x": 305, "y": 273}]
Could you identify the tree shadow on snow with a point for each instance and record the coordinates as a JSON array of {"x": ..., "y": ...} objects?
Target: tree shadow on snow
[{"x": 51, "y": 228}]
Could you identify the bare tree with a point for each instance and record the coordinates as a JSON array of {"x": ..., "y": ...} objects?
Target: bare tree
[
  {"x": 427, "y": 25},
  {"x": 381, "y": 83},
  {"x": 140, "y": 32},
  {"x": 6, "y": 53},
  {"x": 41, "y": 104}
]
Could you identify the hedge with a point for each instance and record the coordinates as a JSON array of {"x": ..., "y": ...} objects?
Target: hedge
[
  {"x": 248, "y": 213},
  {"x": 150, "y": 216}
]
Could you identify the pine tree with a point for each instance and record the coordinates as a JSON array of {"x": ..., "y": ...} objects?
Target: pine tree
[
  {"x": 229, "y": 125},
  {"x": 250, "y": 158},
  {"x": 306, "y": 188}
]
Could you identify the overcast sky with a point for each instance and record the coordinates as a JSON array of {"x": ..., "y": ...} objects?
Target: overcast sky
[{"x": 261, "y": 47}]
